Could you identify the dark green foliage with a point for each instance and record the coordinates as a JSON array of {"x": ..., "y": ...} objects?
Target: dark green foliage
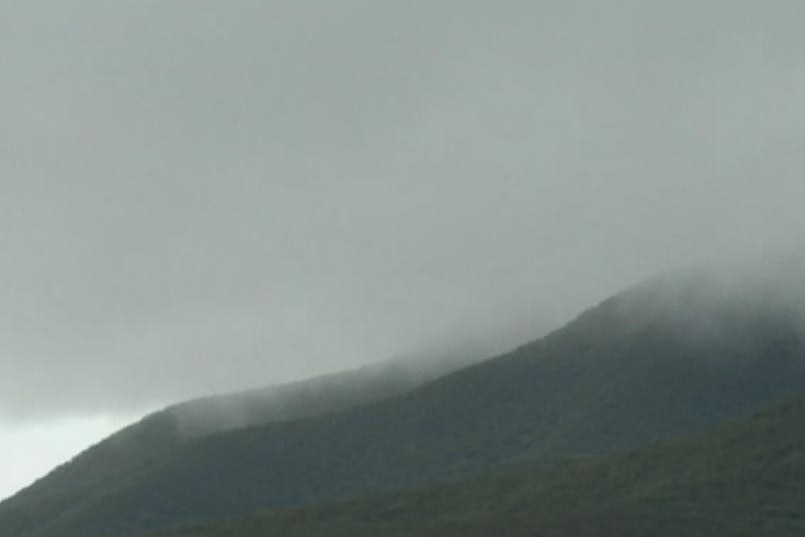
[
  {"x": 746, "y": 479},
  {"x": 672, "y": 356}
]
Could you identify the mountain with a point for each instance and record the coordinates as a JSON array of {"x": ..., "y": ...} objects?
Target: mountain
[
  {"x": 743, "y": 479},
  {"x": 135, "y": 448},
  {"x": 674, "y": 355}
]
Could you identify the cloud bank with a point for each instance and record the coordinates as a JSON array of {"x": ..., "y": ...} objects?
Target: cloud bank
[{"x": 202, "y": 196}]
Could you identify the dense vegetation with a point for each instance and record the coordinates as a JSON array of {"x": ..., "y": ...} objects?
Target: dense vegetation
[
  {"x": 745, "y": 479},
  {"x": 669, "y": 357}
]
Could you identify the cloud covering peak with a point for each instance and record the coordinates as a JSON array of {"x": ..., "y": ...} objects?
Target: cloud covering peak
[{"x": 198, "y": 196}]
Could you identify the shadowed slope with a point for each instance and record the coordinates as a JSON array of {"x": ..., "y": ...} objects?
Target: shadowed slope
[{"x": 744, "y": 479}]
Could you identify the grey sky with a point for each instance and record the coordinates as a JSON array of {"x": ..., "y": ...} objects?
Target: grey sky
[{"x": 198, "y": 196}]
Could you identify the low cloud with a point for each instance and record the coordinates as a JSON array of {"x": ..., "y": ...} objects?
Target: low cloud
[{"x": 198, "y": 197}]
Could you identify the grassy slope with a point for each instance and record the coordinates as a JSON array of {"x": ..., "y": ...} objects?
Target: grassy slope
[
  {"x": 638, "y": 368},
  {"x": 744, "y": 479}
]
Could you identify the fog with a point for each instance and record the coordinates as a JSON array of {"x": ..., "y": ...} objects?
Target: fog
[
  {"x": 743, "y": 301},
  {"x": 202, "y": 196}
]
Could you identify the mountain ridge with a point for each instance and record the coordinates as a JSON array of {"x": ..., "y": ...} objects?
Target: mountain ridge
[
  {"x": 671, "y": 356},
  {"x": 135, "y": 447}
]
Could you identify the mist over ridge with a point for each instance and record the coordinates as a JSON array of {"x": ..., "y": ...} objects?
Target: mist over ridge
[
  {"x": 674, "y": 355},
  {"x": 269, "y": 255},
  {"x": 202, "y": 198}
]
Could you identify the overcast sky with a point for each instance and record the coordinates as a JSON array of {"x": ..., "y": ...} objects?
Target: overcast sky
[{"x": 198, "y": 196}]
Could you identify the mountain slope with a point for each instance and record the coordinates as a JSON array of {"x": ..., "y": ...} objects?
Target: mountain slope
[
  {"x": 747, "y": 478},
  {"x": 672, "y": 356},
  {"x": 136, "y": 448}
]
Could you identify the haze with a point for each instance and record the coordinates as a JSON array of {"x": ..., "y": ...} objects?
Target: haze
[{"x": 204, "y": 196}]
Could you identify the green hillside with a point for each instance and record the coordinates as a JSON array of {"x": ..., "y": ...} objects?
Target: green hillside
[
  {"x": 745, "y": 479},
  {"x": 672, "y": 356}
]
